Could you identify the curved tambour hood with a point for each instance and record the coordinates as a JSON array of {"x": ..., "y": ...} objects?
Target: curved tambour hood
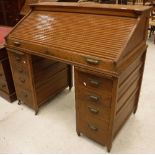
[{"x": 69, "y": 30}]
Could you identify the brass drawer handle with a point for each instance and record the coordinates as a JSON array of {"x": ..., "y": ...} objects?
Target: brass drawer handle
[
  {"x": 93, "y": 128},
  {"x": 1, "y": 74},
  {"x": 93, "y": 110},
  {"x": 94, "y": 82},
  {"x": 17, "y": 43},
  {"x": 94, "y": 98},
  {"x": 92, "y": 61}
]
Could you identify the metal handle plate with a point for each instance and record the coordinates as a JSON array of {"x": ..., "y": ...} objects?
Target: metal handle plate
[
  {"x": 93, "y": 110},
  {"x": 93, "y": 128},
  {"x": 92, "y": 61},
  {"x": 94, "y": 82},
  {"x": 17, "y": 43},
  {"x": 94, "y": 98}
]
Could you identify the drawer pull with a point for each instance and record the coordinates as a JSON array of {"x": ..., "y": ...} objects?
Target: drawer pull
[
  {"x": 1, "y": 74},
  {"x": 94, "y": 82},
  {"x": 3, "y": 86},
  {"x": 94, "y": 98},
  {"x": 93, "y": 110},
  {"x": 92, "y": 61},
  {"x": 93, "y": 128},
  {"x": 18, "y": 58},
  {"x": 22, "y": 80},
  {"x": 16, "y": 43}
]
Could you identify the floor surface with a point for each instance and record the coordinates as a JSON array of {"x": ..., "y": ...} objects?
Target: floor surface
[{"x": 53, "y": 129}]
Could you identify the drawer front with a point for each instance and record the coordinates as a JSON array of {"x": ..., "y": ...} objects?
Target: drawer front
[
  {"x": 52, "y": 86},
  {"x": 19, "y": 65},
  {"x": 86, "y": 81},
  {"x": 25, "y": 96},
  {"x": 41, "y": 76},
  {"x": 92, "y": 62},
  {"x": 2, "y": 75},
  {"x": 95, "y": 130},
  {"x": 18, "y": 59},
  {"x": 92, "y": 111},
  {"x": 93, "y": 95},
  {"x": 92, "y": 98},
  {"x": 21, "y": 80},
  {"x": 5, "y": 72},
  {"x": 4, "y": 86}
]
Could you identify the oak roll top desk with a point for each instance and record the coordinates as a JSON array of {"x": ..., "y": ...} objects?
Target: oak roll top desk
[{"x": 107, "y": 46}]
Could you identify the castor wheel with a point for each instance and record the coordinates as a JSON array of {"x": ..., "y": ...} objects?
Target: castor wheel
[
  {"x": 78, "y": 133},
  {"x": 108, "y": 149},
  {"x": 36, "y": 112},
  {"x": 19, "y": 102},
  {"x": 70, "y": 88}
]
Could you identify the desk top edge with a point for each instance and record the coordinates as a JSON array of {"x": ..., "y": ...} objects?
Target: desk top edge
[{"x": 90, "y": 5}]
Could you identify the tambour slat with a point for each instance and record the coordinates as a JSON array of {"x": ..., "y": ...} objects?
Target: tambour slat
[{"x": 88, "y": 34}]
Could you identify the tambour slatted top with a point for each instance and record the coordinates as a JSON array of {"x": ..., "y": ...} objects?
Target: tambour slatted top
[
  {"x": 95, "y": 35},
  {"x": 81, "y": 33}
]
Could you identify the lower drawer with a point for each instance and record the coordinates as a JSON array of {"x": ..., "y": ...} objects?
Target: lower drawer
[
  {"x": 25, "y": 96},
  {"x": 9, "y": 97},
  {"x": 94, "y": 129},
  {"x": 4, "y": 86},
  {"x": 94, "y": 111}
]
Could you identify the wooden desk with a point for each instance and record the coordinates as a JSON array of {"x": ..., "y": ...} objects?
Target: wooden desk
[
  {"x": 107, "y": 46},
  {"x": 7, "y": 90}
]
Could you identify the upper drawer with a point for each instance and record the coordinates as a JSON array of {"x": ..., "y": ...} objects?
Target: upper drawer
[
  {"x": 92, "y": 82},
  {"x": 95, "y": 99},
  {"x": 19, "y": 62},
  {"x": 70, "y": 57},
  {"x": 18, "y": 58}
]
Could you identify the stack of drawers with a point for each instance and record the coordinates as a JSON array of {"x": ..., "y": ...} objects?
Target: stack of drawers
[
  {"x": 93, "y": 105},
  {"x": 7, "y": 90},
  {"x": 37, "y": 79}
]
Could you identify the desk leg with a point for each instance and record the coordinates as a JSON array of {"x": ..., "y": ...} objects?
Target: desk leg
[
  {"x": 19, "y": 102},
  {"x": 70, "y": 76}
]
